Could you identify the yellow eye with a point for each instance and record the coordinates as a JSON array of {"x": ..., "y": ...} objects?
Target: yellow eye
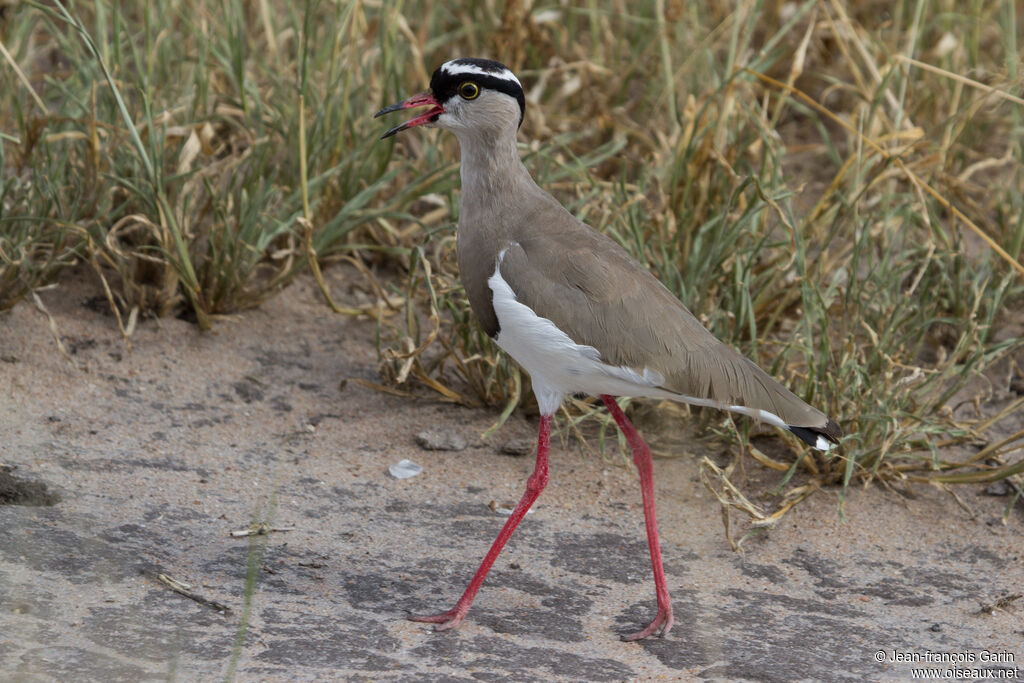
[{"x": 469, "y": 90}]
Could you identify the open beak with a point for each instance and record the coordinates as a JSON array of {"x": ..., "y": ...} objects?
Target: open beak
[{"x": 422, "y": 100}]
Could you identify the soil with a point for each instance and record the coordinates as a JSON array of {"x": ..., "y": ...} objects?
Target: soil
[{"x": 125, "y": 468}]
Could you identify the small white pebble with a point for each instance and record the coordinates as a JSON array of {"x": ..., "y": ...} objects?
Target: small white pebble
[{"x": 404, "y": 469}]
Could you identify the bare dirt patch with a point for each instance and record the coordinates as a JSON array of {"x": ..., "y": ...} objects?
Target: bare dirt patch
[{"x": 162, "y": 452}]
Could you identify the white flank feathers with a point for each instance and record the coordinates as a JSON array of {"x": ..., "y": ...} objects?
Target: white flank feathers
[{"x": 558, "y": 365}]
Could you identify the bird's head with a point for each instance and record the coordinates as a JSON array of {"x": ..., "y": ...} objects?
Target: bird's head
[{"x": 476, "y": 96}]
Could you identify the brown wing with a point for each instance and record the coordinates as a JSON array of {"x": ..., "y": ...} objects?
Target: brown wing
[{"x": 596, "y": 293}]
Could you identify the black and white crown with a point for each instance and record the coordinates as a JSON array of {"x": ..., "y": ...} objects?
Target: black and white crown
[{"x": 486, "y": 73}]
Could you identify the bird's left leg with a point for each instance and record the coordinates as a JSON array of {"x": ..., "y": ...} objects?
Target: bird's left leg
[
  {"x": 645, "y": 466},
  {"x": 534, "y": 485}
]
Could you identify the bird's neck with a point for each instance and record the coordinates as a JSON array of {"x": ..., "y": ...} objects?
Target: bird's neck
[{"x": 492, "y": 173}]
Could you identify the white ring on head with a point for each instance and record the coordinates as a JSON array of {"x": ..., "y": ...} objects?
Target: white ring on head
[{"x": 455, "y": 67}]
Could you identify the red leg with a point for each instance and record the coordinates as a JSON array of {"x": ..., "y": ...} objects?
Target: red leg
[
  {"x": 534, "y": 485},
  {"x": 644, "y": 465}
]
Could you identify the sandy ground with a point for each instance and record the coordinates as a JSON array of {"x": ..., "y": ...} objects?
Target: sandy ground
[{"x": 159, "y": 453}]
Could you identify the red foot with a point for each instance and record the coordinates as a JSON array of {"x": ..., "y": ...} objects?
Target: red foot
[
  {"x": 444, "y": 620},
  {"x": 534, "y": 485},
  {"x": 663, "y": 621}
]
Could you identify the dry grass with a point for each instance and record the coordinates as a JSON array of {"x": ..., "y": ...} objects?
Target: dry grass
[{"x": 835, "y": 188}]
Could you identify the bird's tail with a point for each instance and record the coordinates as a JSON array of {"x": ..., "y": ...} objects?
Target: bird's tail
[{"x": 822, "y": 438}]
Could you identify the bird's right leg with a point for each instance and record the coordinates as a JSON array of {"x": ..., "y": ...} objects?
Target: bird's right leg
[
  {"x": 644, "y": 466},
  {"x": 534, "y": 485}
]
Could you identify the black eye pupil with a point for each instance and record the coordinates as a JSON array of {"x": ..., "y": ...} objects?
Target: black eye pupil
[{"x": 469, "y": 90}]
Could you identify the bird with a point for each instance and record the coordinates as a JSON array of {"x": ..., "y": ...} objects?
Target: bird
[{"x": 574, "y": 309}]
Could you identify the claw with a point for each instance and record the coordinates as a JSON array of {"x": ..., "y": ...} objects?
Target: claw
[
  {"x": 443, "y": 621},
  {"x": 662, "y": 623}
]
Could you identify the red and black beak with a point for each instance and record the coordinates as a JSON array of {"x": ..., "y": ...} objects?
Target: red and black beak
[{"x": 422, "y": 100}]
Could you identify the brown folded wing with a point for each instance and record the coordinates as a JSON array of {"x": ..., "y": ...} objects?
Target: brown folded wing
[{"x": 591, "y": 288}]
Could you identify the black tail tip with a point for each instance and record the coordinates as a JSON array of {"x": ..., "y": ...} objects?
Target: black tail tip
[{"x": 822, "y": 438}]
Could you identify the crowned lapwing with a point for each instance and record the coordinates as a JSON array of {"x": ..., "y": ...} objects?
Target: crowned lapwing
[{"x": 573, "y": 308}]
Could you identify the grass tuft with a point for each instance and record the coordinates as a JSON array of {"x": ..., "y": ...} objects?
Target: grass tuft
[{"x": 834, "y": 188}]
